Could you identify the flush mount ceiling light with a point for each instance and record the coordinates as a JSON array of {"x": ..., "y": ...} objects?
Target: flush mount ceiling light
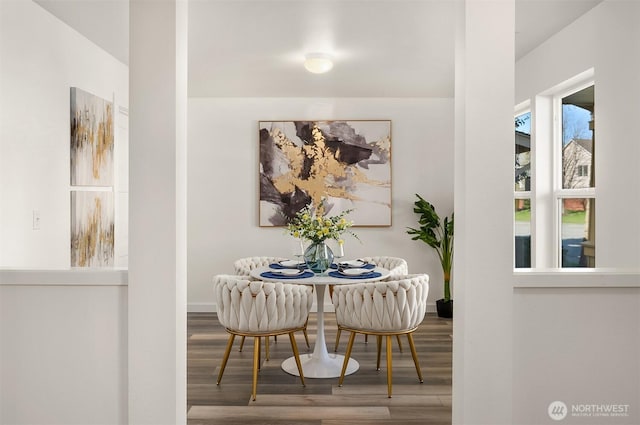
[{"x": 318, "y": 63}]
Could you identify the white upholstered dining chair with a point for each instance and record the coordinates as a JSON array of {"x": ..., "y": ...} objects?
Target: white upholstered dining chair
[
  {"x": 397, "y": 267},
  {"x": 244, "y": 266},
  {"x": 385, "y": 308},
  {"x": 260, "y": 309}
]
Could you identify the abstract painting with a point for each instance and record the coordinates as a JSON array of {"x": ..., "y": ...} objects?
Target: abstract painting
[
  {"x": 345, "y": 164},
  {"x": 91, "y": 140},
  {"x": 92, "y": 229}
]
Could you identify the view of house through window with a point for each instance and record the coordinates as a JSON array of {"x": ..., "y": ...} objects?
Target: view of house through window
[
  {"x": 577, "y": 193},
  {"x": 522, "y": 210}
]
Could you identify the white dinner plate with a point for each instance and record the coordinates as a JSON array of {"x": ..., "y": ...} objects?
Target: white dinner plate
[
  {"x": 354, "y": 272},
  {"x": 291, "y": 263},
  {"x": 287, "y": 272},
  {"x": 354, "y": 263}
]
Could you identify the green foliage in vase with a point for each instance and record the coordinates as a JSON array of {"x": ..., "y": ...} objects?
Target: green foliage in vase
[{"x": 315, "y": 226}]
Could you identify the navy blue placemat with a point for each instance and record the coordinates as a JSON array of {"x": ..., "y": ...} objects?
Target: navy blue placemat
[
  {"x": 271, "y": 275},
  {"x": 369, "y": 266},
  {"x": 362, "y": 276}
]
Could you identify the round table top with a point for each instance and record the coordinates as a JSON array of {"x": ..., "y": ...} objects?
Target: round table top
[{"x": 322, "y": 279}]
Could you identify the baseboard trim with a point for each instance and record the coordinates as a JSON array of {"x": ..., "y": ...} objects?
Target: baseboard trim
[
  {"x": 212, "y": 308},
  {"x": 201, "y": 308}
]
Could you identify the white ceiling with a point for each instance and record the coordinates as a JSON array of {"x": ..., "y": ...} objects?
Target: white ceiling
[{"x": 255, "y": 48}]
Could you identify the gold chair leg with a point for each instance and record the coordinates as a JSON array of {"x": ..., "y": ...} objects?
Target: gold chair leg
[
  {"x": 304, "y": 332},
  {"x": 256, "y": 362},
  {"x": 306, "y": 337},
  {"x": 366, "y": 338},
  {"x": 415, "y": 356},
  {"x": 399, "y": 343},
  {"x": 379, "y": 342},
  {"x": 296, "y": 354},
  {"x": 266, "y": 348},
  {"x": 352, "y": 338},
  {"x": 389, "y": 362},
  {"x": 241, "y": 344},
  {"x": 225, "y": 357},
  {"x": 259, "y": 352},
  {"x": 335, "y": 350}
]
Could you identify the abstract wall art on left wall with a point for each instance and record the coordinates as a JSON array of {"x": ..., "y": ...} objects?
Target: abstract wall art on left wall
[
  {"x": 92, "y": 229},
  {"x": 92, "y": 200},
  {"x": 92, "y": 139}
]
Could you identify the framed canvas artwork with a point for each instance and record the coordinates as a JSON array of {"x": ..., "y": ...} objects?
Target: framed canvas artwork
[
  {"x": 92, "y": 139},
  {"x": 92, "y": 229},
  {"x": 345, "y": 163}
]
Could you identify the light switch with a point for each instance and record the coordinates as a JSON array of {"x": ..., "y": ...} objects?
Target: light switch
[{"x": 36, "y": 220}]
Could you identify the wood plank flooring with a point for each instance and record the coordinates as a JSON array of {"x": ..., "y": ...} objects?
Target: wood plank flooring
[{"x": 282, "y": 400}]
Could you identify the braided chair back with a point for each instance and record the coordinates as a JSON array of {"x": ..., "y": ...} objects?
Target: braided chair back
[
  {"x": 251, "y": 306},
  {"x": 387, "y": 306},
  {"x": 396, "y": 266},
  {"x": 243, "y": 266}
]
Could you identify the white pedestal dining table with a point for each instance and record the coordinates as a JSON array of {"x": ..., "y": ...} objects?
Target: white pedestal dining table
[{"x": 320, "y": 363}]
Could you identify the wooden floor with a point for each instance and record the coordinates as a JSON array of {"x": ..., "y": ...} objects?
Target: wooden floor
[{"x": 282, "y": 400}]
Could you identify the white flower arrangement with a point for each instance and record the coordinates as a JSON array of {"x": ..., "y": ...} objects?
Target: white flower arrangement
[{"x": 313, "y": 225}]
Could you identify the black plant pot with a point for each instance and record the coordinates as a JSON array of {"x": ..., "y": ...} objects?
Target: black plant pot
[{"x": 445, "y": 308}]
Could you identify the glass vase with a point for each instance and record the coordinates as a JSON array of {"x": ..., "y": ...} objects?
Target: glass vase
[{"x": 318, "y": 257}]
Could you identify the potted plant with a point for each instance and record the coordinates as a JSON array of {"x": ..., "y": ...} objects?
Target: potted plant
[{"x": 438, "y": 234}]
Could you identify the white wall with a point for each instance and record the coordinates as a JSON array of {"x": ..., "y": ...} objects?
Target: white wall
[
  {"x": 223, "y": 181},
  {"x": 63, "y": 358},
  {"x": 582, "y": 345},
  {"x": 578, "y": 346},
  {"x": 41, "y": 59},
  {"x": 158, "y": 221},
  {"x": 482, "y": 349}
]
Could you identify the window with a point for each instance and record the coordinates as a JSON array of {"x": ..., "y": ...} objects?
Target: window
[
  {"x": 522, "y": 195},
  {"x": 577, "y": 249},
  {"x": 577, "y": 139},
  {"x": 576, "y": 195},
  {"x": 582, "y": 171},
  {"x": 554, "y": 177}
]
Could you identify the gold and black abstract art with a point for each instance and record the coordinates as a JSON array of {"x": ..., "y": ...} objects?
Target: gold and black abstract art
[{"x": 346, "y": 164}]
